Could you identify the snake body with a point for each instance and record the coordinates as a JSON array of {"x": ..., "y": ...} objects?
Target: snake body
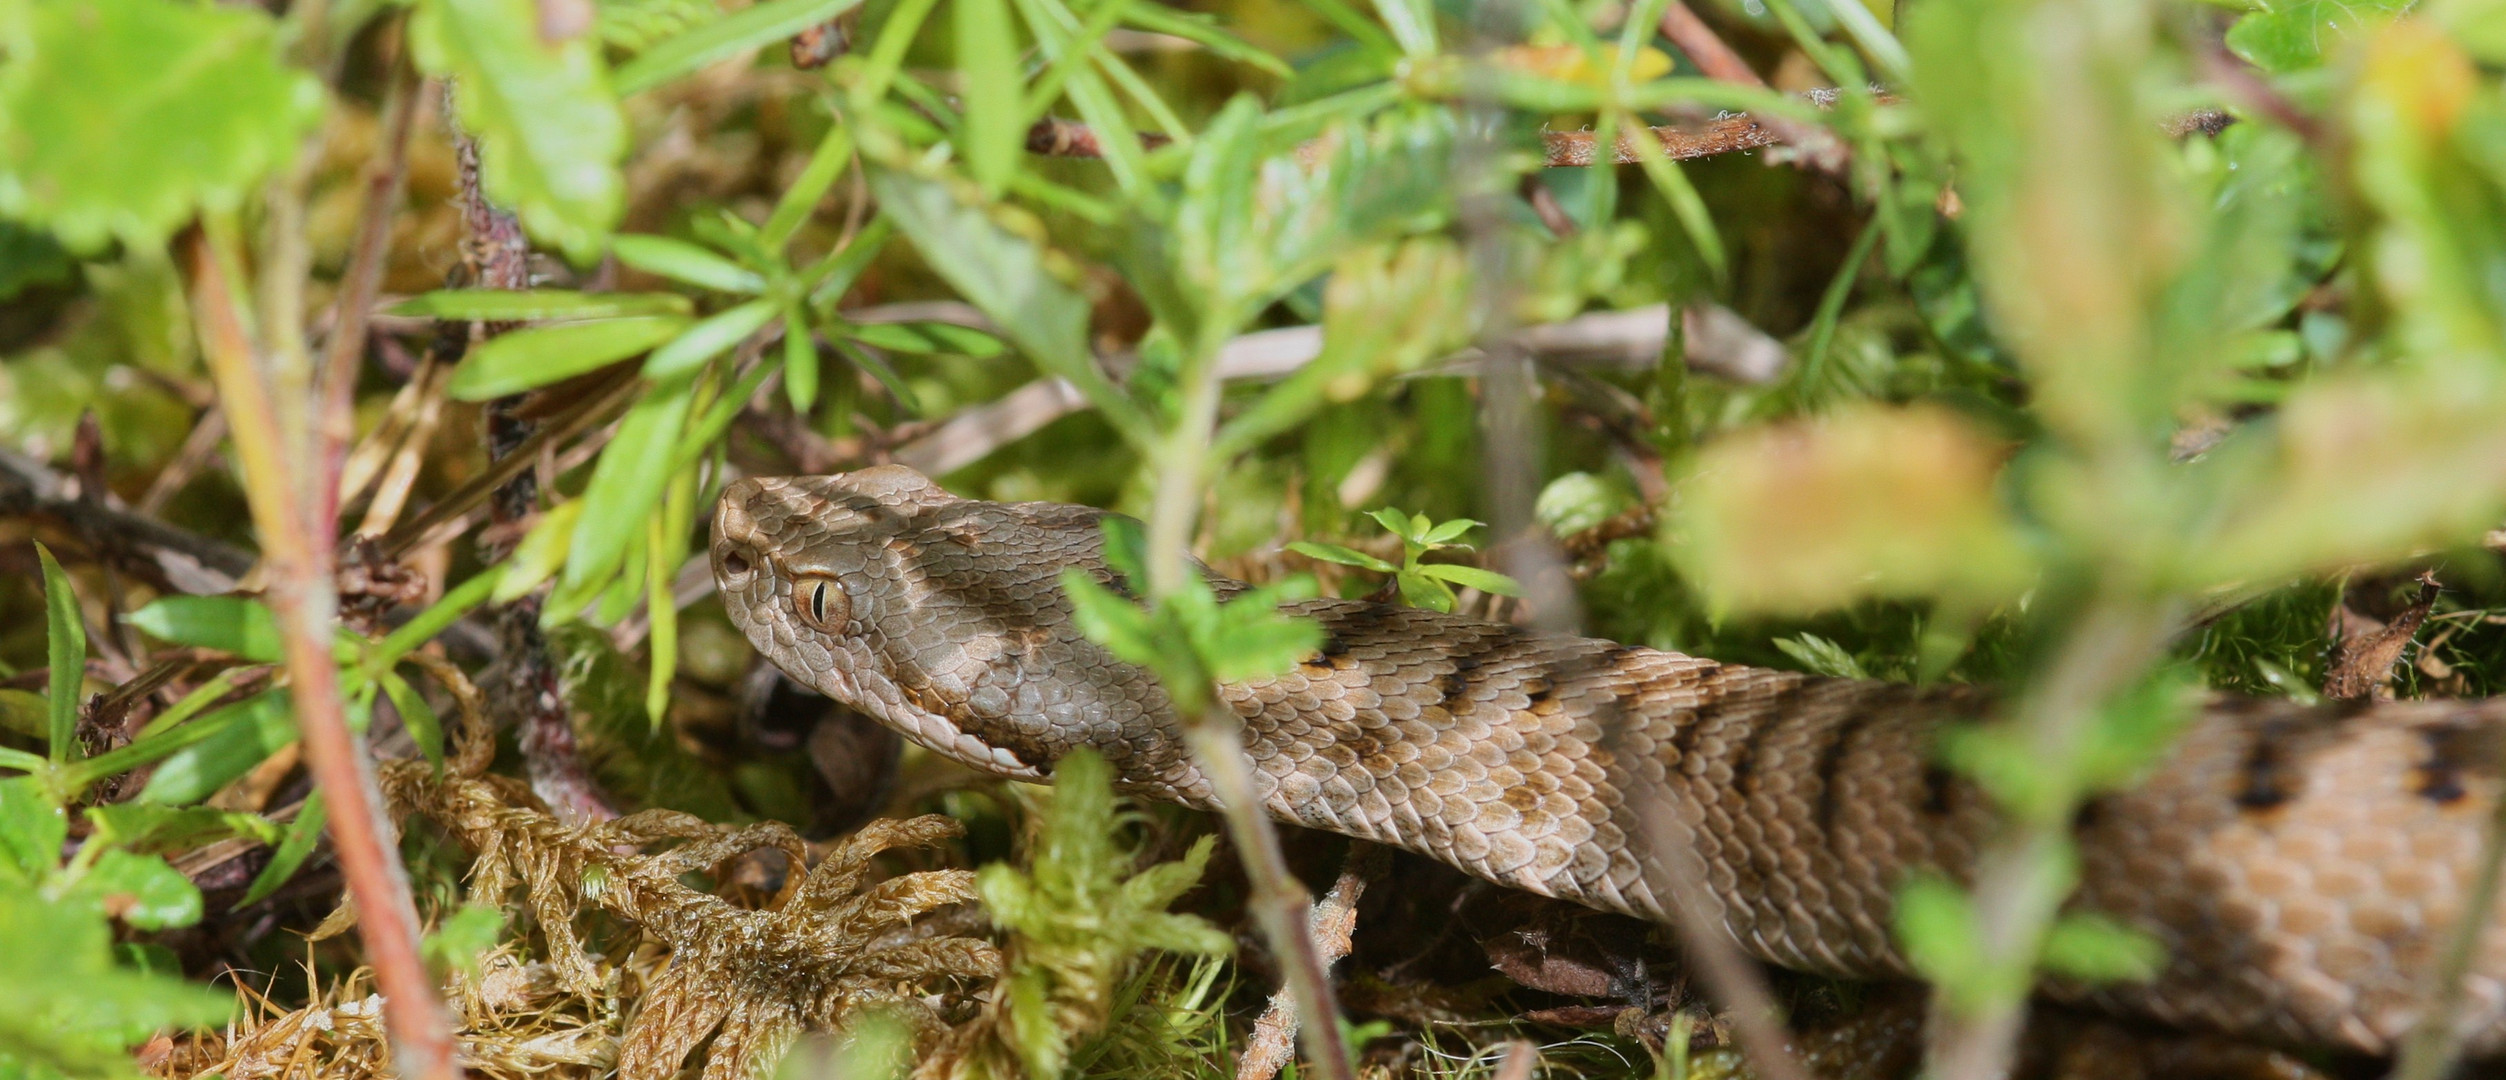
[{"x": 2303, "y": 866}]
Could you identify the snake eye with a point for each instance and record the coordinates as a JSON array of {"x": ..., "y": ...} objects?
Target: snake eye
[{"x": 821, "y": 603}]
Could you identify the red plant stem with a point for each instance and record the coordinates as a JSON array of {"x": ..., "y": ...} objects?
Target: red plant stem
[
  {"x": 298, "y": 560},
  {"x": 1703, "y": 46}
]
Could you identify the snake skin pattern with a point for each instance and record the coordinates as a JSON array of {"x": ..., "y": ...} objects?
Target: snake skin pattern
[{"x": 2302, "y": 865}]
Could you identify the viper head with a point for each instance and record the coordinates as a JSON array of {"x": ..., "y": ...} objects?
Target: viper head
[{"x": 941, "y": 617}]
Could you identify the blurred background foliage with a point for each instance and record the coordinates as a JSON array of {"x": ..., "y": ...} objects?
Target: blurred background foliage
[{"x": 2020, "y": 334}]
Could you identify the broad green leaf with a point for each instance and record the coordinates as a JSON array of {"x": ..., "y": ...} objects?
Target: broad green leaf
[
  {"x": 536, "y": 305},
  {"x": 230, "y": 624},
  {"x": 122, "y": 119},
  {"x": 32, "y": 829},
  {"x": 302, "y": 834},
  {"x": 141, "y": 890},
  {"x": 226, "y": 744},
  {"x": 1420, "y": 591},
  {"x": 681, "y": 261},
  {"x": 540, "y": 355},
  {"x": 66, "y": 1000},
  {"x": 749, "y": 28},
  {"x": 1448, "y": 531},
  {"x": 2293, "y": 35},
  {"x": 65, "y": 645},
  {"x": 1004, "y": 273},
  {"x": 625, "y": 486},
  {"x": 993, "y": 133},
  {"x": 549, "y": 130},
  {"x": 1334, "y": 553},
  {"x": 1393, "y": 521},
  {"x": 926, "y": 337},
  {"x": 1472, "y": 577},
  {"x": 709, "y": 338}
]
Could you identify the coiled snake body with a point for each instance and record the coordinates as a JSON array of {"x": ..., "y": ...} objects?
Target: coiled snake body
[{"x": 2303, "y": 866}]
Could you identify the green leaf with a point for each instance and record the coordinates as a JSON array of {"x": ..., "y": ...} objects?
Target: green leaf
[
  {"x": 445, "y": 611},
  {"x": 65, "y": 1000},
  {"x": 302, "y": 834},
  {"x": 149, "y": 828},
  {"x": 1334, "y": 553},
  {"x": 1420, "y": 591},
  {"x": 926, "y": 337},
  {"x": 707, "y": 339},
  {"x": 226, "y": 744},
  {"x": 1819, "y": 656},
  {"x": 540, "y": 355},
  {"x": 541, "y": 551},
  {"x": 1472, "y": 577},
  {"x": 625, "y": 486},
  {"x": 993, "y": 134},
  {"x": 25, "y": 712},
  {"x": 141, "y": 890},
  {"x": 800, "y": 361},
  {"x": 2298, "y": 34},
  {"x": 2095, "y": 948},
  {"x": 1442, "y": 534},
  {"x": 122, "y": 119},
  {"x": 65, "y": 645},
  {"x": 880, "y": 369},
  {"x": 827, "y": 162},
  {"x": 720, "y": 39},
  {"x": 681, "y": 261},
  {"x": 458, "y": 944},
  {"x": 550, "y": 133},
  {"x": 425, "y": 728},
  {"x": 230, "y": 624},
  {"x": 1003, "y": 273},
  {"x": 1107, "y": 618},
  {"x": 32, "y": 830},
  {"x": 537, "y": 305},
  {"x": 1394, "y": 522}
]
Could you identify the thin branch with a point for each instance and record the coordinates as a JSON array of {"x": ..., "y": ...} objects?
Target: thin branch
[
  {"x": 363, "y": 277},
  {"x": 1334, "y": 929},
  {"x": 1692, "y": 36},
  {"x": 299, "y": 559},
  {"x": 190, "y": 562},
  {"x": 1730, "y": 978}
]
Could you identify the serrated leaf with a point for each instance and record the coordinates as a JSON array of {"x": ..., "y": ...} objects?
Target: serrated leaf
[
  {"x": 141, "y": 890},
  {"x": 32, "y": 829},
  {"x": 709, "y": 338},
  {"x": 1334, "y": 553},
  {"x": 549, "y": 130},
  {"x": 1108, "y": 619},
  {"x": 302, "y": 835},
  {"x": 540, "y": 355},
  {"x": 123, "y": 118},
  {"x": 65, "y": 648},
  {"x": 723, "y": 38},
  {"x": 460, "y": 941},
  {"x": 230, "y": 624},
  {"x": 536, "y": 305},
  {"x": 681, "y": 261},
  {"x": 1472, "y": 577}
]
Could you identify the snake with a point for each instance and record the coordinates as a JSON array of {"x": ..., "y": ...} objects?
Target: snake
[{"x": 2304, "y": 866}]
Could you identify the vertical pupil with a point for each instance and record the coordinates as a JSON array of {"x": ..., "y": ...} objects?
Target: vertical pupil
[{"x": 818, "y": 603}]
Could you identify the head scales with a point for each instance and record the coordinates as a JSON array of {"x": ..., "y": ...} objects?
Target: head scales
[{"x": 943, "y": 618}]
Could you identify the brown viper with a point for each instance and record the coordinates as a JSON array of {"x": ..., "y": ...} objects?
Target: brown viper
[{"x": 2302, "y": 865}]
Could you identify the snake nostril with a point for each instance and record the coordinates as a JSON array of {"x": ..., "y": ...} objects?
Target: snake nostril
[{"x": 735, "y": 563}]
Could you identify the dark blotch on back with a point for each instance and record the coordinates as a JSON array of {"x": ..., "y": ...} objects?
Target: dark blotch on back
[
  {"x": 2452, "y": 748},
  {"x": 2269, "y": 779}
]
